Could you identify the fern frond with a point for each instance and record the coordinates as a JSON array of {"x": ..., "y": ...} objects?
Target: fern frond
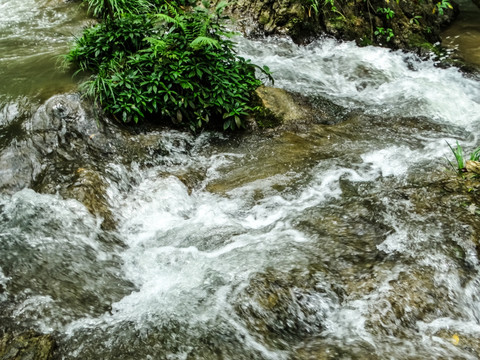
[
  {"x": 202, "y": 31},
  {"x": 156, "y": 42},
  {"x": 220, "y": 7},
  {"x": 166, "y": 18},
  {"x": 159, "y": 46},
  {"x": 204, "y": 41}
]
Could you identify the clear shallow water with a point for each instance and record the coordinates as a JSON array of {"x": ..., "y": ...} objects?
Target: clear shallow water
[
  {"x": 34, "y": 35},
  {"x": 464, "y": 34},
  {"x": 340, "y": 242}
]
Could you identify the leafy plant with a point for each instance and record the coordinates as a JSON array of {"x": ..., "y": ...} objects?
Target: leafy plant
[
  {"x": 314, "y": 4},
  {"x": 333, "y": 8},
  {"x": 115, "y": 8},
  {"x": 459, "y": 157},
  {"x": 471, "y": 166},
  {"x": 170, "y": 64},
  {"x": 415, "y": 19},
  {"x": 475, "y": 155},
  {"x": 441, "y": 6},
  {"x": 387, "y": 33},
  {"x": 389, "y": 13}
]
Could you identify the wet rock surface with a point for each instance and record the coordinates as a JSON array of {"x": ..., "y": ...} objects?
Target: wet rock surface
[
  {"x": 65, "y": 148},
  {"x": 286, "y": 110}
]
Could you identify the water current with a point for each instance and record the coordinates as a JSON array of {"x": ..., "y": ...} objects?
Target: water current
[{"x": 332, "y": 242}]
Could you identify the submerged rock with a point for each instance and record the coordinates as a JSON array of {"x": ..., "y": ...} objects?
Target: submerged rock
[
  {"x": 284, "y": 307},
  {"x": 465, "y": 342},
  {"x": 457, "y": 196},
  {"x": 320, "y": 349},
  {"x": 408, "y": 298}
]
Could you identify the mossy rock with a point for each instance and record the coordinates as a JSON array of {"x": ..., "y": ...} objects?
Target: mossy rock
[
  {"x": 285, "y": 17},
  {"x": 26, "y": 346}
]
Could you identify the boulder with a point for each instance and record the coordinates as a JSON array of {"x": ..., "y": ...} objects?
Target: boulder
[
  {"x": 279, "y": 108},
  {"x": 282, "y": 107}
]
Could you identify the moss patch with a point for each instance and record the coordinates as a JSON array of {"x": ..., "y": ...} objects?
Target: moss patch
[{"x": 28, "y": 345}]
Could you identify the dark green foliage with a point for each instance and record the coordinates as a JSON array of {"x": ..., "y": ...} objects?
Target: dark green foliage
[
  {"x": 110, "y": 9},
  {"x": 115, "y": 8},
  {"x": 111, "y": 41},
  {"x": 169, "y": 64}
]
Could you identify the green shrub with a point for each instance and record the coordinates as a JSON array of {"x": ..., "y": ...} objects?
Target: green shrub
[
  {"x": 109, "y": 41},
  {"x": 170, "y": 64},
  {"x": 109, "y": 9}
]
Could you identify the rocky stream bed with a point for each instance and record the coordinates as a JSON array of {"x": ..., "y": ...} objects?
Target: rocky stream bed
[{"x": 338, "y": 233}]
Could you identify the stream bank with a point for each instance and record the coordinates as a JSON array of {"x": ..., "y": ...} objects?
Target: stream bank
[{"x": 404, "y": 24}]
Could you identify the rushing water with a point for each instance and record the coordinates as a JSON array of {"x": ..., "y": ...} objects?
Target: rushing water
[{"x": 340, "y": 242}]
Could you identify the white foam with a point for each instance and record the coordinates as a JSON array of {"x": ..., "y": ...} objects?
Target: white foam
[
  {"x": 377, "y": 79},
  {"x": 3, "y": 284}
]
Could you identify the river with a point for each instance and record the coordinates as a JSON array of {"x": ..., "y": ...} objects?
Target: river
[{"x": 344, "y": 241}]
